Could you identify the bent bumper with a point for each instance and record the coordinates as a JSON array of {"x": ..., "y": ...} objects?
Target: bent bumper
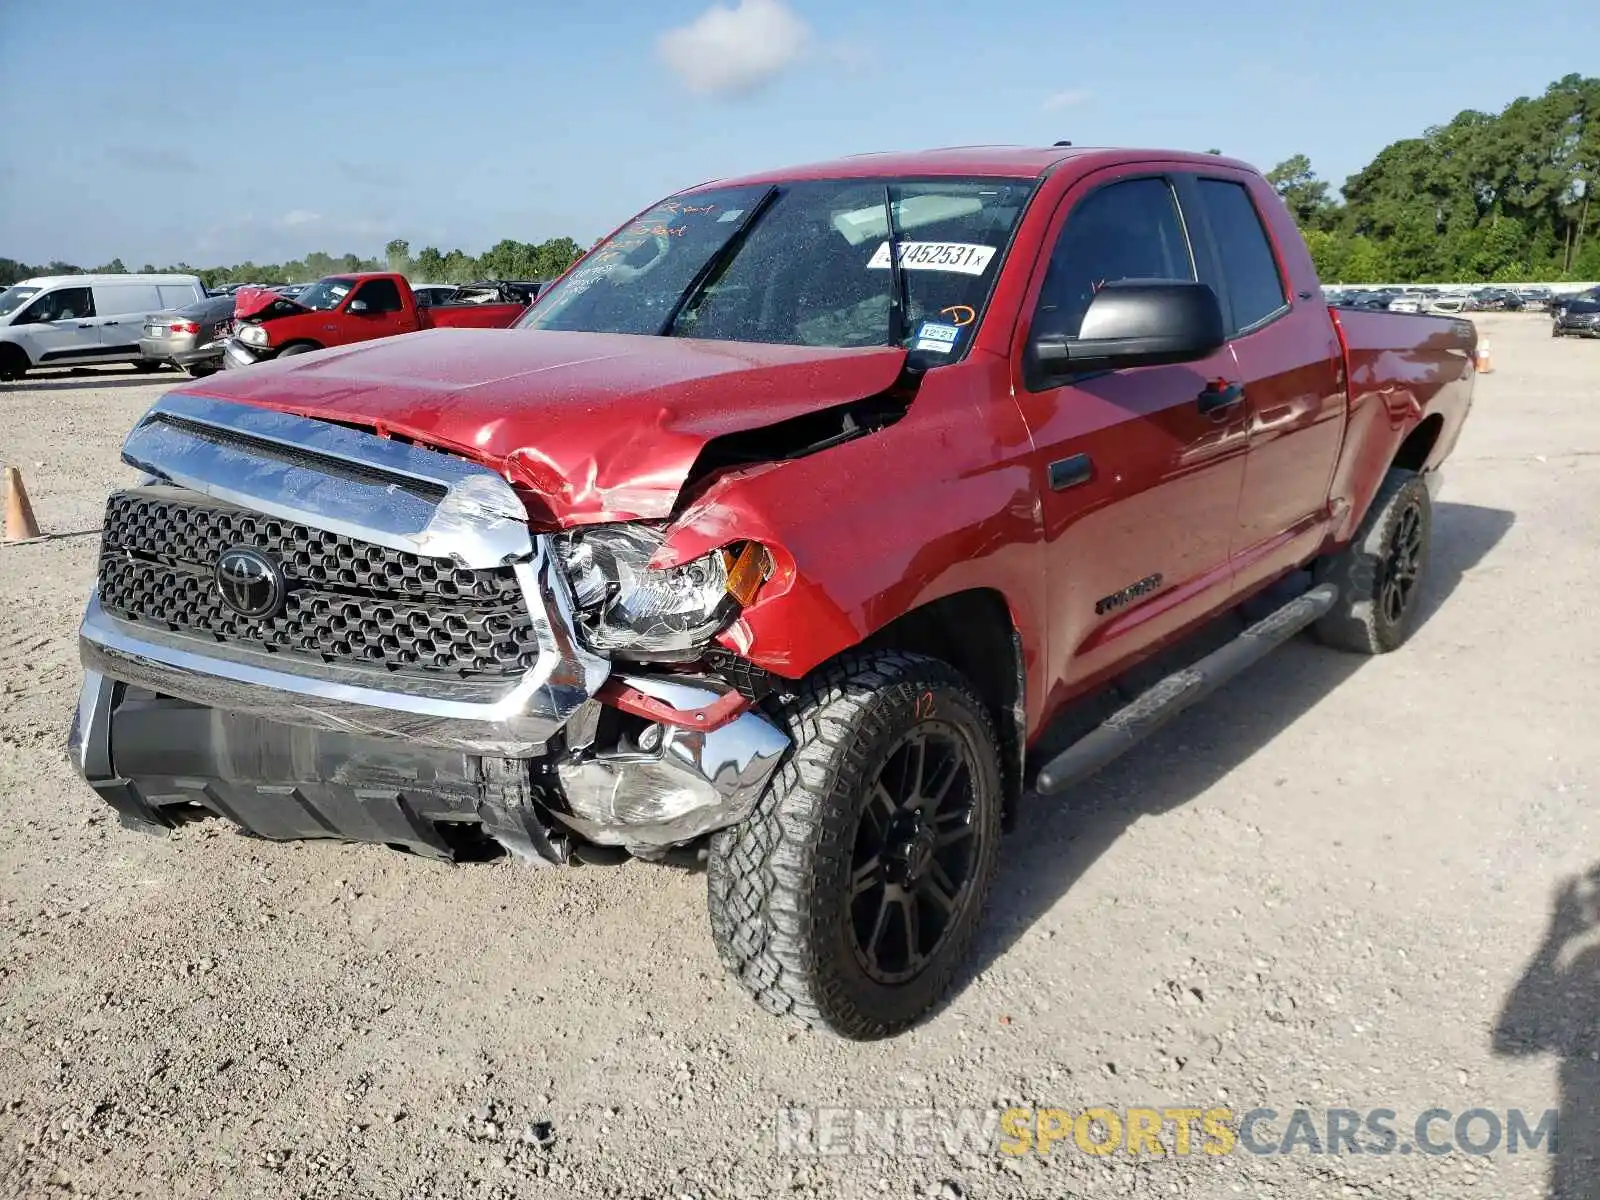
[
  {"x": 236, "y": 354},
  {"x": 293, "y": 745},
  {"x": 158, "y": 760}
]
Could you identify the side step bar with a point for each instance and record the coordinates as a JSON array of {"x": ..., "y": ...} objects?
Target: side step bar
[{"x": 1149, "y": 711}]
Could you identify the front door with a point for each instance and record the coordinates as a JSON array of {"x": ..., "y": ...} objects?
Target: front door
[
  {"x": 1138, "y": 473},
  {"x": 61, "y": 328},
  {"x": 384, "y": 314}
]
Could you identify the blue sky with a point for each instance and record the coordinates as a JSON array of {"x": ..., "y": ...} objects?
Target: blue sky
[{"x": 268, "y": 128}]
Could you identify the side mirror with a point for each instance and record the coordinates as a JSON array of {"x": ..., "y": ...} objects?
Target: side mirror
[
  {"x": 1136, "y": 323},
  {"x": 357, "y": 306}
]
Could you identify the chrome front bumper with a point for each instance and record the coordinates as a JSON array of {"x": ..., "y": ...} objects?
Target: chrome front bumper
[{"x": 431, "y": 504}]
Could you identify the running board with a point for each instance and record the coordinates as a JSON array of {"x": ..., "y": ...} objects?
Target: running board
[{"x": 1153, "y": 708}]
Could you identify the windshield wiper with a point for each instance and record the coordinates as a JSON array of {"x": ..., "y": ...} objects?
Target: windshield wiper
[
  {"x": 899, "y": 301},
  {"x": 713, "y": 266}
]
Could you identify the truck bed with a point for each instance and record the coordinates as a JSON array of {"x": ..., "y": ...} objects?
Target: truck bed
[
  {"x": 469, "y": 316},
  {"x": 1409, "y": 375}
]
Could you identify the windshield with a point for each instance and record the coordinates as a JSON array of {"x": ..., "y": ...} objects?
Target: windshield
[
  {"x": 325, "y": 294},
  {"x": 14, "y": 298},
  {"x": 802, "y": 264}
]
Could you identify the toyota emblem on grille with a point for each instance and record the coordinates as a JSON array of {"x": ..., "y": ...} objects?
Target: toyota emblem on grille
[{"x": 249, "y": 581}]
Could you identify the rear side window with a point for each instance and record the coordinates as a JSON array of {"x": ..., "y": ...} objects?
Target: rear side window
[
  {"x": 117, "y": 299},
  {"x": 1128, "y": 230},
  {"x": 381, "y": 296},
  {"x": 175, "y": 295},
  {"x": 1249, "y": 270}
]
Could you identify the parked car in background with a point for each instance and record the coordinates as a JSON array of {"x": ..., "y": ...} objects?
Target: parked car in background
[
  {"x": 1537, "y": 299},
  {"x": 429, "y": 294},
  {"x": 1577, "y": 316},
  {"x": 290, "y": 290},
  {"x": 1497, "y": 299},
  {"x": 79, "y": 320},
  {"x": 776, "y": 542},
  {"x": 343, "y": 309},
  {"x": 190, "y": 338}
]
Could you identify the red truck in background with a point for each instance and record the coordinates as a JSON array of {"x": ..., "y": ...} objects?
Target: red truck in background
[
  {"x": 342, "y": 309},
  {"x": 777, "y": 535}
]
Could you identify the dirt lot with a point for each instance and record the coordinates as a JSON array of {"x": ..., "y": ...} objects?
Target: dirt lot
[{"x": 1330, "y": 887}]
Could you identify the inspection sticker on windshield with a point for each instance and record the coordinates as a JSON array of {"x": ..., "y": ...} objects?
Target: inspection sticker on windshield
[
  {"x": 964, "y": 258},
  {"x": 932, "y": 335}
]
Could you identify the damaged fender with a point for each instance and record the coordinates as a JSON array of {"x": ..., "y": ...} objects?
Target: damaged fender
[{"x": 861, "y": 534}]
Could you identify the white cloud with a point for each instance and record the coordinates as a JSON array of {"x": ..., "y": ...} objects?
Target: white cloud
[
  {"x": 299, "y": 217},
  {"x": 734, "y": 51},
  {"x": 1056, "y": 101}
]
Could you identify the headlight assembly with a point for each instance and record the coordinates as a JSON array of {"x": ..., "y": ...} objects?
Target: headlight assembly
[
  {"x": 254, "y": 335},
  {"x": 626, "y": 606}
]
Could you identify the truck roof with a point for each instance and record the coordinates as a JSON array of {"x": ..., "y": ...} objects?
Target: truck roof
[
  {"x": 1016, "y": 161},
  {"x": 90, "y": 278}
]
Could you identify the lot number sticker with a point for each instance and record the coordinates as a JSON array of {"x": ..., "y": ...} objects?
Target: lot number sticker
[{"x": 963, "y": 258}]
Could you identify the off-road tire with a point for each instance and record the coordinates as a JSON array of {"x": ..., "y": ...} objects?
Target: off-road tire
[
  {"x": 779, "y": 882},
  {"x": 13, "y": 362},
  {"x": 1361, "y": 621}
]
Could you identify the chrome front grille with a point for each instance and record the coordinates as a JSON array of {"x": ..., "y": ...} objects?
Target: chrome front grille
[{"x": 346, "y": 599}]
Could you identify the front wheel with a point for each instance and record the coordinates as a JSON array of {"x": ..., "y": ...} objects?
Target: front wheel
[
  {"x": 1380, "y": 573},
  {"x": 850, "y": 896},
  {"x": 13, "y": 362}
]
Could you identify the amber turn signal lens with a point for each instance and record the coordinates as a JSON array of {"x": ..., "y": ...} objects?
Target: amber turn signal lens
[{"x": 746, "y": 572}]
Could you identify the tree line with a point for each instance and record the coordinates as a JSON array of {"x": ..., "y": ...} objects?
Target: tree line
[
  {"x": 1501, "y": 197},
  {"x": 1489, "y": 197},
  {"x": 507, "y": 259}
]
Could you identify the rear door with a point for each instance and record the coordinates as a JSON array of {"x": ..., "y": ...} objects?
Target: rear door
[
  {"x": 1289, "y": 365},
  {"x": 1139, "y": 484}
]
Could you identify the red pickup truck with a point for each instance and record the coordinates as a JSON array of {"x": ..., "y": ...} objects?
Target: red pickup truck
[
  {"x": 342, "y": 309},
  {"x": 775, "y": 536}
]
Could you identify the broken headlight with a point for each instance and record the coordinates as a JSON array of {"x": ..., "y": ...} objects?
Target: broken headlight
[{"x": 628, "y": 606}]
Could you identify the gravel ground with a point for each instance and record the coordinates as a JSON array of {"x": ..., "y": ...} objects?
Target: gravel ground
[{"x": 1331, "y": 886}]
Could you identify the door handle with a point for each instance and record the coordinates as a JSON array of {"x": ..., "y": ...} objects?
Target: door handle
[{"x": 1219, "y": 395}]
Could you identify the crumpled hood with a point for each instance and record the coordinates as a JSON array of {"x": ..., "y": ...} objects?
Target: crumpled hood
[
  {"x": 254, "y": 302},
  {"x": 601, "y": 427}
]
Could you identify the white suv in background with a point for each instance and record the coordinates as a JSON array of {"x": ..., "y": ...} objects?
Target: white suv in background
[{"x": 76, "y": 320}]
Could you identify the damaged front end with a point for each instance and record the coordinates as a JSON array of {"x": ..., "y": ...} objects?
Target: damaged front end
[{"x": 315, "y": 631}]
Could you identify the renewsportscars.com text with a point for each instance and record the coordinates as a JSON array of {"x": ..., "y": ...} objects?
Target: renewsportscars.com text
[{"x": 1176, "y": 1131}]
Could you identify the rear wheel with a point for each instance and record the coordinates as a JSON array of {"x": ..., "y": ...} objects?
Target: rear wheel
[
  {"x": 849, "y": 898},
  {"x": 1379, "y": 574}
]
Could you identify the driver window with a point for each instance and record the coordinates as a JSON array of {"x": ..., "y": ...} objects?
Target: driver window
[
  {"x": 63, "y": 304},
  {"x": 1128, "y": 230},
  {"x": 380, "y": 295}
]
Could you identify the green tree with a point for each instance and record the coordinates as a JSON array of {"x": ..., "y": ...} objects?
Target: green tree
[
  {"x": 397, "y": 256},
  {"x": 429, "y": 265},
  {"x": 1303, "y": 193}
]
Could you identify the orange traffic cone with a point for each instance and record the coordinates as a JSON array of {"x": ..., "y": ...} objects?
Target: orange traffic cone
[
  {"x": 1485, "y": 362},
  {"x": 20, "y": 525}
]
